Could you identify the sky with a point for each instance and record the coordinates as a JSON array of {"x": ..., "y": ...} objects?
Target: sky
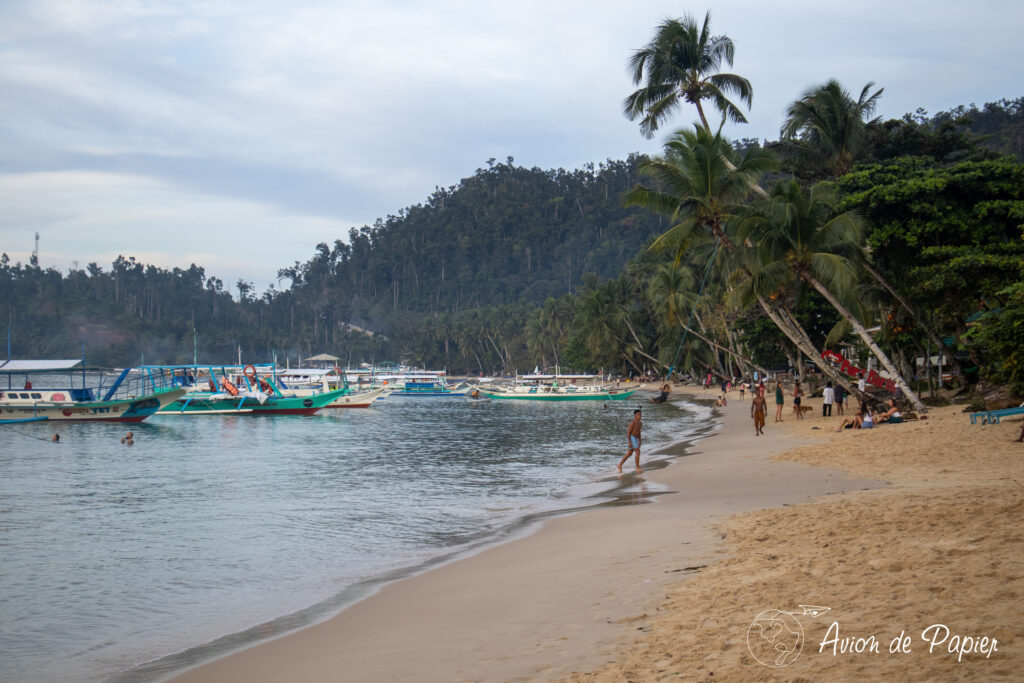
[{"x": 238, "y": 135}]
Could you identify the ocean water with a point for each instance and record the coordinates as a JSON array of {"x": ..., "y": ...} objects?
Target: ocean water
[{"x": 132, "y": 561}]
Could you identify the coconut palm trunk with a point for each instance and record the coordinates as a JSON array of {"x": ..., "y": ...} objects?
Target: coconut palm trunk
[
  {"x": 867, "y": 339},
  {"x": 740, "y": 359},
  {"x": 796, "y": 334}
]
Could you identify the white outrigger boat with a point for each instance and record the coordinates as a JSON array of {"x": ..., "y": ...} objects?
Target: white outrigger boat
[
  {"x": 309, "y": 381},
  {"x": 537, "y": 387},
  {"x": 132, "y": 397}
]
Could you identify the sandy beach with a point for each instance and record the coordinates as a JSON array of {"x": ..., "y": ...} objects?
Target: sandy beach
[{"x": 893, "y": 529}]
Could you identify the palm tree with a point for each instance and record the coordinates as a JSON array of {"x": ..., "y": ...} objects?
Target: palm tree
[
  {"x": 801, "y": 238},
  {"x": 670, "y": 291},
  {"x": 681, "y": 64},
  {"x": 700, "y": 183},
  {"x": 600, "y": 321},
  {"x": 827, "y": 127}
]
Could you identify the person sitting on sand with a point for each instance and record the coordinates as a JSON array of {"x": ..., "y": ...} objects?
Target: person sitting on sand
[
  {"x": 862, "y": 420},
  {"x": 663, "y": 396},
  {"x": 892, "y": 415}
]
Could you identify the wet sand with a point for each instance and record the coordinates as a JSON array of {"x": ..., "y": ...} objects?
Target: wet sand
[{"x": 570, "y": 597}]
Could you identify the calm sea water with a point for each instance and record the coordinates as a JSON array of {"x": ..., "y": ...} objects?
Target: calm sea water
[{"x": 114, "y": 556}]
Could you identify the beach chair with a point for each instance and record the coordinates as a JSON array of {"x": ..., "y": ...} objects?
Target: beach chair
[{"x": 993, "y": 416}]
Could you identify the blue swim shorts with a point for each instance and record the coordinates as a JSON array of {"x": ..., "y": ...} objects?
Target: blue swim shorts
[{"x": 634, "y": 441}]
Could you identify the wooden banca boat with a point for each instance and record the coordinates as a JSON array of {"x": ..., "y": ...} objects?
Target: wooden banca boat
[
  {"x": 539, "y": 387},
  {"x": 312, "y": 381},
  {"x": 238, "y": 389},
  {"x": 28, "y": 393}
]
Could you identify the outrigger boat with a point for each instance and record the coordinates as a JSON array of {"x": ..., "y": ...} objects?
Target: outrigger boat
[
  {"x": 132, "y": 397},
  {"x": 237, "y": 390},
  {"x": 310, "y": 381},
  {"x": 428, "y": 383},
  {"x": 538, "y": 387}
]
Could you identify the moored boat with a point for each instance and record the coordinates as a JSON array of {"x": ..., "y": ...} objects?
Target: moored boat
[
  {"x": 131, "y": 397},
  {"x": 362, "y": 399},
  {"x": 539, "y": 387},
  {"x": 238, "y": 390}
]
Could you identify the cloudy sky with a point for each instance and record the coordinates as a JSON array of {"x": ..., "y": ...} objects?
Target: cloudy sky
[{"x": 237, "y": 135}]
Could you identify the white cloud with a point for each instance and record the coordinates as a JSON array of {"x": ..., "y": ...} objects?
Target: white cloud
[
  {"x": 360, "y": 108},
  {"x": 89, "y": 216}
]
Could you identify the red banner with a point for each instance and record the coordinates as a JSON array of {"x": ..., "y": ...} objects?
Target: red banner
[{"x": 870, "y": 376}]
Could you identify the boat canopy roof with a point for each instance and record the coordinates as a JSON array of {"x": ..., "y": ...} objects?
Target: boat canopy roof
[
  {"x": 558, "y": 376},
  {"x": 22, "y": 366},
  {"x": 305, "y": 372}
]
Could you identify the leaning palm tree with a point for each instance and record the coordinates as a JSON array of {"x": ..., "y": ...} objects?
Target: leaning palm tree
[
  {"x": 681, "y": 64},
  {"x": 701, "y": 183},
  {"x": 803, "y": 239},
  {"x": 827, "y": 127}
]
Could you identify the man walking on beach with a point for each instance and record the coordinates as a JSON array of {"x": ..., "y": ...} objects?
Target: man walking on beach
[
  {"x": 757, "y": 412},
  {"x": 634, "y": 440},
  {"x": 827, "y": 399}
]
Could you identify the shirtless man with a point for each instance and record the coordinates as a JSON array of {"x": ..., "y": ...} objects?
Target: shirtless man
[
  {"x": 634, "y": 440},
  {"x": 757, "y": 412}
]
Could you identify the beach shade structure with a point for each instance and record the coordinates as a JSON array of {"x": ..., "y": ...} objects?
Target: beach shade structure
[{"x": 323, "y": 359}]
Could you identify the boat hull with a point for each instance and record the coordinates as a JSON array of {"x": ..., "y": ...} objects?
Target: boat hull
[
  {"x": 360, "y": 400},
  {"x": 557, "y": 397},
  {"x": 274, "y": 405},
  {"x": 125, "y": 410}
]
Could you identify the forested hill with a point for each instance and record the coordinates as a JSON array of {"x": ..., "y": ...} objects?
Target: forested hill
[{"x": 505, "y": 234}]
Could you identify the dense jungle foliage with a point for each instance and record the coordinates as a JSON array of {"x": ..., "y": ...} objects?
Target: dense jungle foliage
[{"x": 764, "y": 256}]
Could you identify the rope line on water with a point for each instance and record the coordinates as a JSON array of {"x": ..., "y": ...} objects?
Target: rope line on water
[
  {"x": 693, "y": 309},
  {"x": 31, "y": 436}
]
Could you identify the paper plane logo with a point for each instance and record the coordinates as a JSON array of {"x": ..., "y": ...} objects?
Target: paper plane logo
[{"x": 775, "y": 637}]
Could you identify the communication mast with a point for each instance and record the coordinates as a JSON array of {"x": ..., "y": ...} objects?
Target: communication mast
[{"x": 35, "y": 252}]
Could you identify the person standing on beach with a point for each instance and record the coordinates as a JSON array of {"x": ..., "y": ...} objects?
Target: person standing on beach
[
  {"x": 634, "y": 440},
  {"x": 840, "y": 397},
  {"x": 828, "y": 398},
  {"x": 758, "y": 409},
  {"x": 779, "y": 402},
  {"x": 797, "y": 394}
]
